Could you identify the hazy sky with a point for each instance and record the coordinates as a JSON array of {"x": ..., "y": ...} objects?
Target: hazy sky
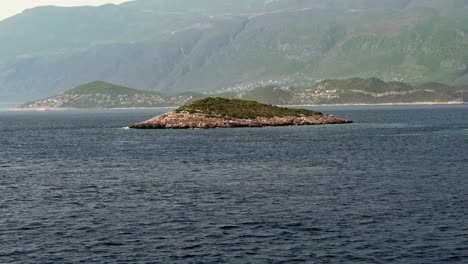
[{"x": 12, "y": 7}]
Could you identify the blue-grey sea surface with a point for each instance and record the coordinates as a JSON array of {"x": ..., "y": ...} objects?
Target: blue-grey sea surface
[{"x": 76, "y": 187}]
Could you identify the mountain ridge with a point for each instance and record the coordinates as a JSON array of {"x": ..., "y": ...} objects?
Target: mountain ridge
[{"x": 222, "y": 46}]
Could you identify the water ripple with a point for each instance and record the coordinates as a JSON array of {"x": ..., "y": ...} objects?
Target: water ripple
[{"x": 385, "y": 190}]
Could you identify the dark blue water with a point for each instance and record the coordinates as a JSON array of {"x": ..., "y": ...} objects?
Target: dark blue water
[{"x": 391, "y": 188}]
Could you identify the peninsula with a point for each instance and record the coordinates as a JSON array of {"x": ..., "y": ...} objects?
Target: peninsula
[
  {"x": 354, "y": 91},
  {"x": 104, "y": 95},
  {"x": 221, "y": 112}
]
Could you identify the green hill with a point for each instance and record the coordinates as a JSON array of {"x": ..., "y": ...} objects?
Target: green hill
[
  {"x": 105, "y": 88},
  {"x": 99, "y": 94},
  {"x": 356, "y": 91}
]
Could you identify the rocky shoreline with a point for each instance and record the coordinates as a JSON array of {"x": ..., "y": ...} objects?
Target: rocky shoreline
[{"x": 184, "y": 120}]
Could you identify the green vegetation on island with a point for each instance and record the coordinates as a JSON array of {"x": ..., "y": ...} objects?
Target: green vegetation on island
[{"x": 241, "y": 109}]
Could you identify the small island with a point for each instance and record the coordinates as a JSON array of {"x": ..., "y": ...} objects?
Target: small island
[{"x": 225, "y": 113}]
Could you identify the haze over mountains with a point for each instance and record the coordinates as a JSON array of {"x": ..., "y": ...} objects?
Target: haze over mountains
[{"x": 211, "y": 45}]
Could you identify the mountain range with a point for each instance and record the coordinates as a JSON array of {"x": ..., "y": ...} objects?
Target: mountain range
[{"x": 215, "y": 46}]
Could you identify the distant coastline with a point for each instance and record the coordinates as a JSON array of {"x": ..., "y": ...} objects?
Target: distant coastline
[
  {"x": 339, "y": 92},
  {"x": 56, "y": 109},
  {"x": 382, "y": 104},
  {"x": 52, "y": 109}
]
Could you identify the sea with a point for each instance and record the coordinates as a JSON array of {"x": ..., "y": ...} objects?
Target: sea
[{"x": 79, "y": 187}]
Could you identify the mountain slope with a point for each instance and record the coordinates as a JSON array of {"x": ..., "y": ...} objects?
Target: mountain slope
[{"x": 211, "y": 45}]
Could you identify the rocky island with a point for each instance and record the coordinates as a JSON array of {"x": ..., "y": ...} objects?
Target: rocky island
[{"x": 221, "y": 112}]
